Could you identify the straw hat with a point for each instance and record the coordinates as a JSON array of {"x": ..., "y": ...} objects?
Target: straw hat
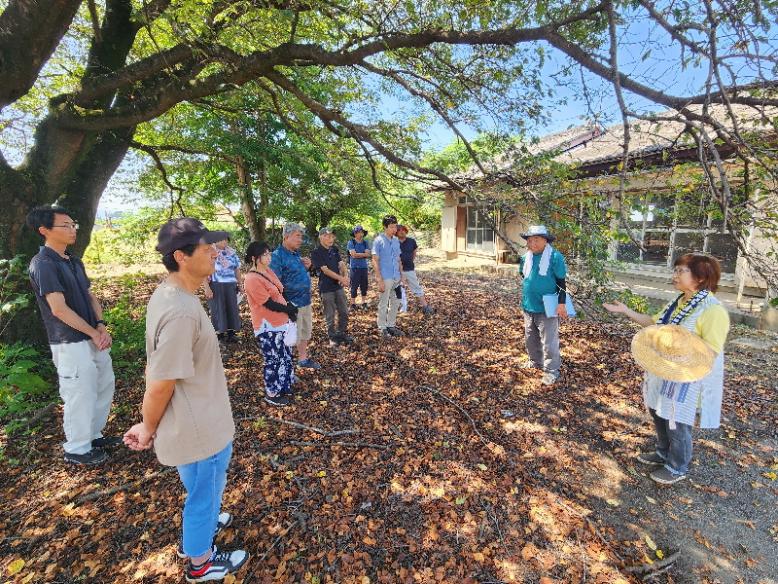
[{"x": 672, "y": 352}]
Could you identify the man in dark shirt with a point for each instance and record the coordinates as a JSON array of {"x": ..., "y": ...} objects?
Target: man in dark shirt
[
  {"x": 332, "y": 279},
  {"x": 77, "y": 336},
  {"x": 408, "y": 249}
]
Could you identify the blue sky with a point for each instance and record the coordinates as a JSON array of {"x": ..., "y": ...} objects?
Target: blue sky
[{"x": 658, "y": 69}]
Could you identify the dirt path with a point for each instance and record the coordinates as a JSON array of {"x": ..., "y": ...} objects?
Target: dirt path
[{"x": 461, "y": 468}]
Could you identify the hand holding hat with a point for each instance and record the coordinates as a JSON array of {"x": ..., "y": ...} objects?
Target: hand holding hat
[{"x": 672, "y": 352}]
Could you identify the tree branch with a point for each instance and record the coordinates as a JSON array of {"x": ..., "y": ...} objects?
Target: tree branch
[
  {"x": 358, "y": 131},
  {"x": 29, "y": 34},
  {"x": 152, "y": 151}
]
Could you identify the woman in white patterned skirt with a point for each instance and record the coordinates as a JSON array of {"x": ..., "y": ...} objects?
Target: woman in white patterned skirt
[{"x": 696, "y": 276}]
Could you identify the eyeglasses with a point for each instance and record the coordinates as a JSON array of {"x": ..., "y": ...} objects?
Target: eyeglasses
[
  {"x": 681, "y": 270},
  {"x": 73, "y": 226}
]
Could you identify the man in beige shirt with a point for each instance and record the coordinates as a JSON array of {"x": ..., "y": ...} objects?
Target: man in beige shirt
[{"x": 186, "y": 409}]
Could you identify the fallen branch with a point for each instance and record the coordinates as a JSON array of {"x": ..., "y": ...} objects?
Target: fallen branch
[
  {"x": 458, "y": 407},
  {"x": 123, "y": 487},
  {"x": 259, "y": 560},
  {"x": 592, "y": 526},
  {"x": 338, "y": 443},
  {"x": 299, "y": 426}
]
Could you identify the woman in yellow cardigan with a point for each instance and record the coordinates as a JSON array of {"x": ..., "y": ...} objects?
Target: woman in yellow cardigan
[{"x": 696, "y": 276}]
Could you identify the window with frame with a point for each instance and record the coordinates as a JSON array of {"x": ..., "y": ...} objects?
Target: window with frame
[{"x": 480, "y": 235}]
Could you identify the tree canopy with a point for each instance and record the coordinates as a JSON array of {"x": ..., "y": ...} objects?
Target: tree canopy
[{"x": 85, "y": 79}]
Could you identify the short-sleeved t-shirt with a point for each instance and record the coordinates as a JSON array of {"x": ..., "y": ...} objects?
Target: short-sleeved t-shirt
[
  {"x": 359, "y": 247},
  {"x": 181, "y": 344},
  {"x": 49, "y": 273},
  {"x": 712, "y": 326},
  {"x": 289, "y": 268},
  {"x": 536, "y": 286},
  {"x": 388, "y": 252},
  {"x": 407, "y": 248},
  {"x": 329, "y": 257}
]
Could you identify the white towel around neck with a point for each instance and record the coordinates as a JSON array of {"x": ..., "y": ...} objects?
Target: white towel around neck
[{"x": 545, "y": 261}]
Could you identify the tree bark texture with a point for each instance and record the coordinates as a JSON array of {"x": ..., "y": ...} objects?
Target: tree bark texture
[
  {"x": 247, "y": 204},
  {"x": 65, "y": 166}
]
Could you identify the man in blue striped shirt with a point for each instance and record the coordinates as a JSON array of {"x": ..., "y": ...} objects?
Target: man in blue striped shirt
[{"x": 292, "y": 270}]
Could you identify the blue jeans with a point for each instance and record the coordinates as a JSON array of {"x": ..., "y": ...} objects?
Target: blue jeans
[
  {"x": 675, "y": 446},
  {"x": 204, "y": 481}
]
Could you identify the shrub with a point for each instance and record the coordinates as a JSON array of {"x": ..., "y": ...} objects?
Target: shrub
[
  {"x": 15, "y": 292},
  {"x": 23, "y": 381},
  {"x": 127, "y": 325}
]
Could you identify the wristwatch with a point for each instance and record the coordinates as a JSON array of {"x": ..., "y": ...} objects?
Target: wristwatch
[{"x": 100, "y": 322}]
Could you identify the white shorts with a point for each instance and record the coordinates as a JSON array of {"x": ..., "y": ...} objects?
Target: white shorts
[
  {"x": 304, "y": 323},
  {"x": 413, "y": 283}
]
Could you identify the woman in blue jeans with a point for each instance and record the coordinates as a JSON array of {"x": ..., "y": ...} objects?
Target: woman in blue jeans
[{"x": 696, "y": 277}]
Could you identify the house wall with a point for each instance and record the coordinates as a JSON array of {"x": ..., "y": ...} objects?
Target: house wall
[
  {"x": 745, "y": 276},
  {"x": 461, "y": 229},
  {"x": 448, "y": 228}
]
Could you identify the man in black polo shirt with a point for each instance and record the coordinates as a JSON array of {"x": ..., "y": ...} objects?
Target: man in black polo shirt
[
  {"x": 332, "y": 279},
  {"x": 77, "y": 335}
]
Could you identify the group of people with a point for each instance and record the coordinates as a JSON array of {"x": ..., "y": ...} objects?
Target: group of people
[
  {"x": 186, "y": 411},
  {"x": 277, "y": 287}
]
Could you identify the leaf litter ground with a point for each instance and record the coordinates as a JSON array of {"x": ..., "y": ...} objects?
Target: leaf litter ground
[{"x": 431, "y": 458}]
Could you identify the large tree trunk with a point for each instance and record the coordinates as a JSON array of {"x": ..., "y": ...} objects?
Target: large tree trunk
[
  {"x": 30, "y": 30},
  {"x": 64, "y": 166},
  {"x": 247, "y": 204}
]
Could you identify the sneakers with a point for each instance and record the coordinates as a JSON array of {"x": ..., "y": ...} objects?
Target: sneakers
[
  {"x": 94, "y": 456},
  {"x": 664, "y": 476},
  {"x": 107, "y": 442},
  {"x": 427, "y": 310},
  {"x": 224, "y": 521},
  {"x": 549, "y": 378},
  {"x": 308, "y": 364},
  {"x": 386, "y": 333},
  {"x": 217, "y": 567},
  {"x": 528, "y": 365},
  {"x": 395, "y": 332},
  {"x": 650, "y": 458},
  {"x": 341, "y": 339},
  {"x": 279, "y": 401}
]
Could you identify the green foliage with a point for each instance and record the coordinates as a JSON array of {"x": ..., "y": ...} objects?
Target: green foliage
[
  {"x": 15, "y": 294},
  {"x": 127, "y": 325},
  {"x": 774, "y": 302},
  {"x": 222, "y": 159},
  {"x": 23, "y": 381},
  {"x": 634, "y": 301},
  {"x": 130, "y": 239}
]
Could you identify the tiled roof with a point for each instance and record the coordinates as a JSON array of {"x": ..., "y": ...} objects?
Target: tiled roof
[{"x": 587, "y": 145}]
